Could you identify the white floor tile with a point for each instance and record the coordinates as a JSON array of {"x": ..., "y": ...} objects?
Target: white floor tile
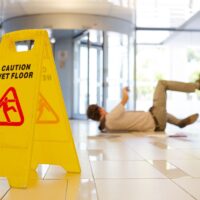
[
  {"x": 114, "y": 154},
  {"x": 193, "y": 152},
  {"x": 81, "y": 189},
  {"x": 77, "y": 189},
  {"x": 125, "y": 166},
  {"x": 42, "y": 190},
  {"x": 55, "y": 172},
  {"x": 86, "y": 171},
  {"x": 168, "y": 154},
  {"x": 42, "y": 170},
  {"x": 189, "y": 142},
  {"x": 191, "y": 167},
  {"x": 140, "y": 189},
  {"x": 191, "y": 185},
  {"x": 104, "y": 144},
  {"x": 124, "y": 169},
  {"x": 4, "y": 187},
  {"x": 167, "y": 169}
]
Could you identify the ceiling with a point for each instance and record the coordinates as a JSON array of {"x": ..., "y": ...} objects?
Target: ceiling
[
  {"x": 14, "y": 8},
  {"x": 189, "y": 37},
  {"x": 165, "y": 13},
  {"x": 150, "y": 14}
]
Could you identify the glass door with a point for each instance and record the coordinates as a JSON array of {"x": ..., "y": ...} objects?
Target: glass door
[
  {"x": 95, "y": 76},
  {"x": 88, "y": 67},
  {"x": 118, "y": 73}
]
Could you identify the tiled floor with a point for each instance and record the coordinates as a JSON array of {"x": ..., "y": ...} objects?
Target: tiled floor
[{"x": 129, "y": 166}]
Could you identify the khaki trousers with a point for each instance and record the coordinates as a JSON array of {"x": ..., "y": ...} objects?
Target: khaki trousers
[{"x": 159, "y": 100}]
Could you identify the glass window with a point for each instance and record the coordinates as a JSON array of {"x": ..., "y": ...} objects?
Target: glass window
[
  {"x": 96, "y": 37},
  {"x": 170, "y": 62},
  {"x": 152, "y": 37},
  {"x": 95, "y": 74},
  {"x": 88, "y": 72},
  {"x": 83, "y": 80},
  {"x": 165, "y": 13},
  {"x": 117, "y": 75}
]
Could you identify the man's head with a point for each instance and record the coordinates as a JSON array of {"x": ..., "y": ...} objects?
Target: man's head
[
  {"x": 93, "y": 112},
  {"x": 96, "y": 112}
]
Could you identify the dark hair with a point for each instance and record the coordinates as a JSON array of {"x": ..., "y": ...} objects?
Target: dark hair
[{"x": 93, "y": 112}]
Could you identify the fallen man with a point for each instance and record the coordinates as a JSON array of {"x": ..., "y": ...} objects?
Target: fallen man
[{"x": 154, "y": 120}]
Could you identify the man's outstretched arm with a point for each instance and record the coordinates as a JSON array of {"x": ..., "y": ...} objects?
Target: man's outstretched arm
[{"x": 125, "y": 96}]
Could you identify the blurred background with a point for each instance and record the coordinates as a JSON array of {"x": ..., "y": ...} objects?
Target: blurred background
[{"x": 101, "y": 46}]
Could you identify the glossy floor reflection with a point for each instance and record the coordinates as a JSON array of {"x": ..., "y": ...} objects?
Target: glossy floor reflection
[{"x": 117, "y": 166}]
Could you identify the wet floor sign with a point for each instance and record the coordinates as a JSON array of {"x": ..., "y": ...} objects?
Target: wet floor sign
[{"x": 33, "y": 119}]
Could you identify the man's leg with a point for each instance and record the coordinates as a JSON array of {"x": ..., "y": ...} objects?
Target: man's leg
[
  {"x": 182, "y": 122},
  {"x": 160, "y": 95},
  {"x": 172, "y": 119}
]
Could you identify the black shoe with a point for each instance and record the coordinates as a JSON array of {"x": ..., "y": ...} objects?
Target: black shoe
[{"x": 189, "y": 120}]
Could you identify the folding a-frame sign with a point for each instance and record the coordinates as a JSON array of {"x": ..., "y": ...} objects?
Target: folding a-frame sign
[{"x": 34, "y": 127}]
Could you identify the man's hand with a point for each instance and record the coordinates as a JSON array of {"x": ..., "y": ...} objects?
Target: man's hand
[
  {"x": 125, "y": 97},
  {"x": 126, "y": 89}
]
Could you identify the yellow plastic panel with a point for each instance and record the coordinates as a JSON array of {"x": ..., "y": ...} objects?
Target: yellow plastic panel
[{"x": 34, "y": 124}]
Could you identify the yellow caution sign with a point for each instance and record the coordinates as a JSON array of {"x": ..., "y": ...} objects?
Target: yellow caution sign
[{"x": 34, "y": 125}]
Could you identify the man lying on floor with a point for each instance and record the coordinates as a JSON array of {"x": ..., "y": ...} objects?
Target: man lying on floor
[{"x": 155, "y": 120}]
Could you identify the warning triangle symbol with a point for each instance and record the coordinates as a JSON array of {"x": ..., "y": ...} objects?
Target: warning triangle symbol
[
  {"x": 10, "y": 110},
  {"x": 46, "y": 114}
]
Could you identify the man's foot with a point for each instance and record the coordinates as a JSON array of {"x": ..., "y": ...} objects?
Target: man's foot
[{"x": 188, "y": 120}]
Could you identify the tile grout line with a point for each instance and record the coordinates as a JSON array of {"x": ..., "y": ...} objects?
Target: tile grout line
[
  {"x": 166, "y": 176},
  {"x": 179, "y": 186},
  {"x": 93, "y": 176},
  {"x": 66, "y": 190},
  {"x": 46, "y": 173},
  {"x": 6, "y": 193}
]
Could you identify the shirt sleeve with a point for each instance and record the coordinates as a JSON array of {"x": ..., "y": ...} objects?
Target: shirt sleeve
[{"x": 117, "y": 111}]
